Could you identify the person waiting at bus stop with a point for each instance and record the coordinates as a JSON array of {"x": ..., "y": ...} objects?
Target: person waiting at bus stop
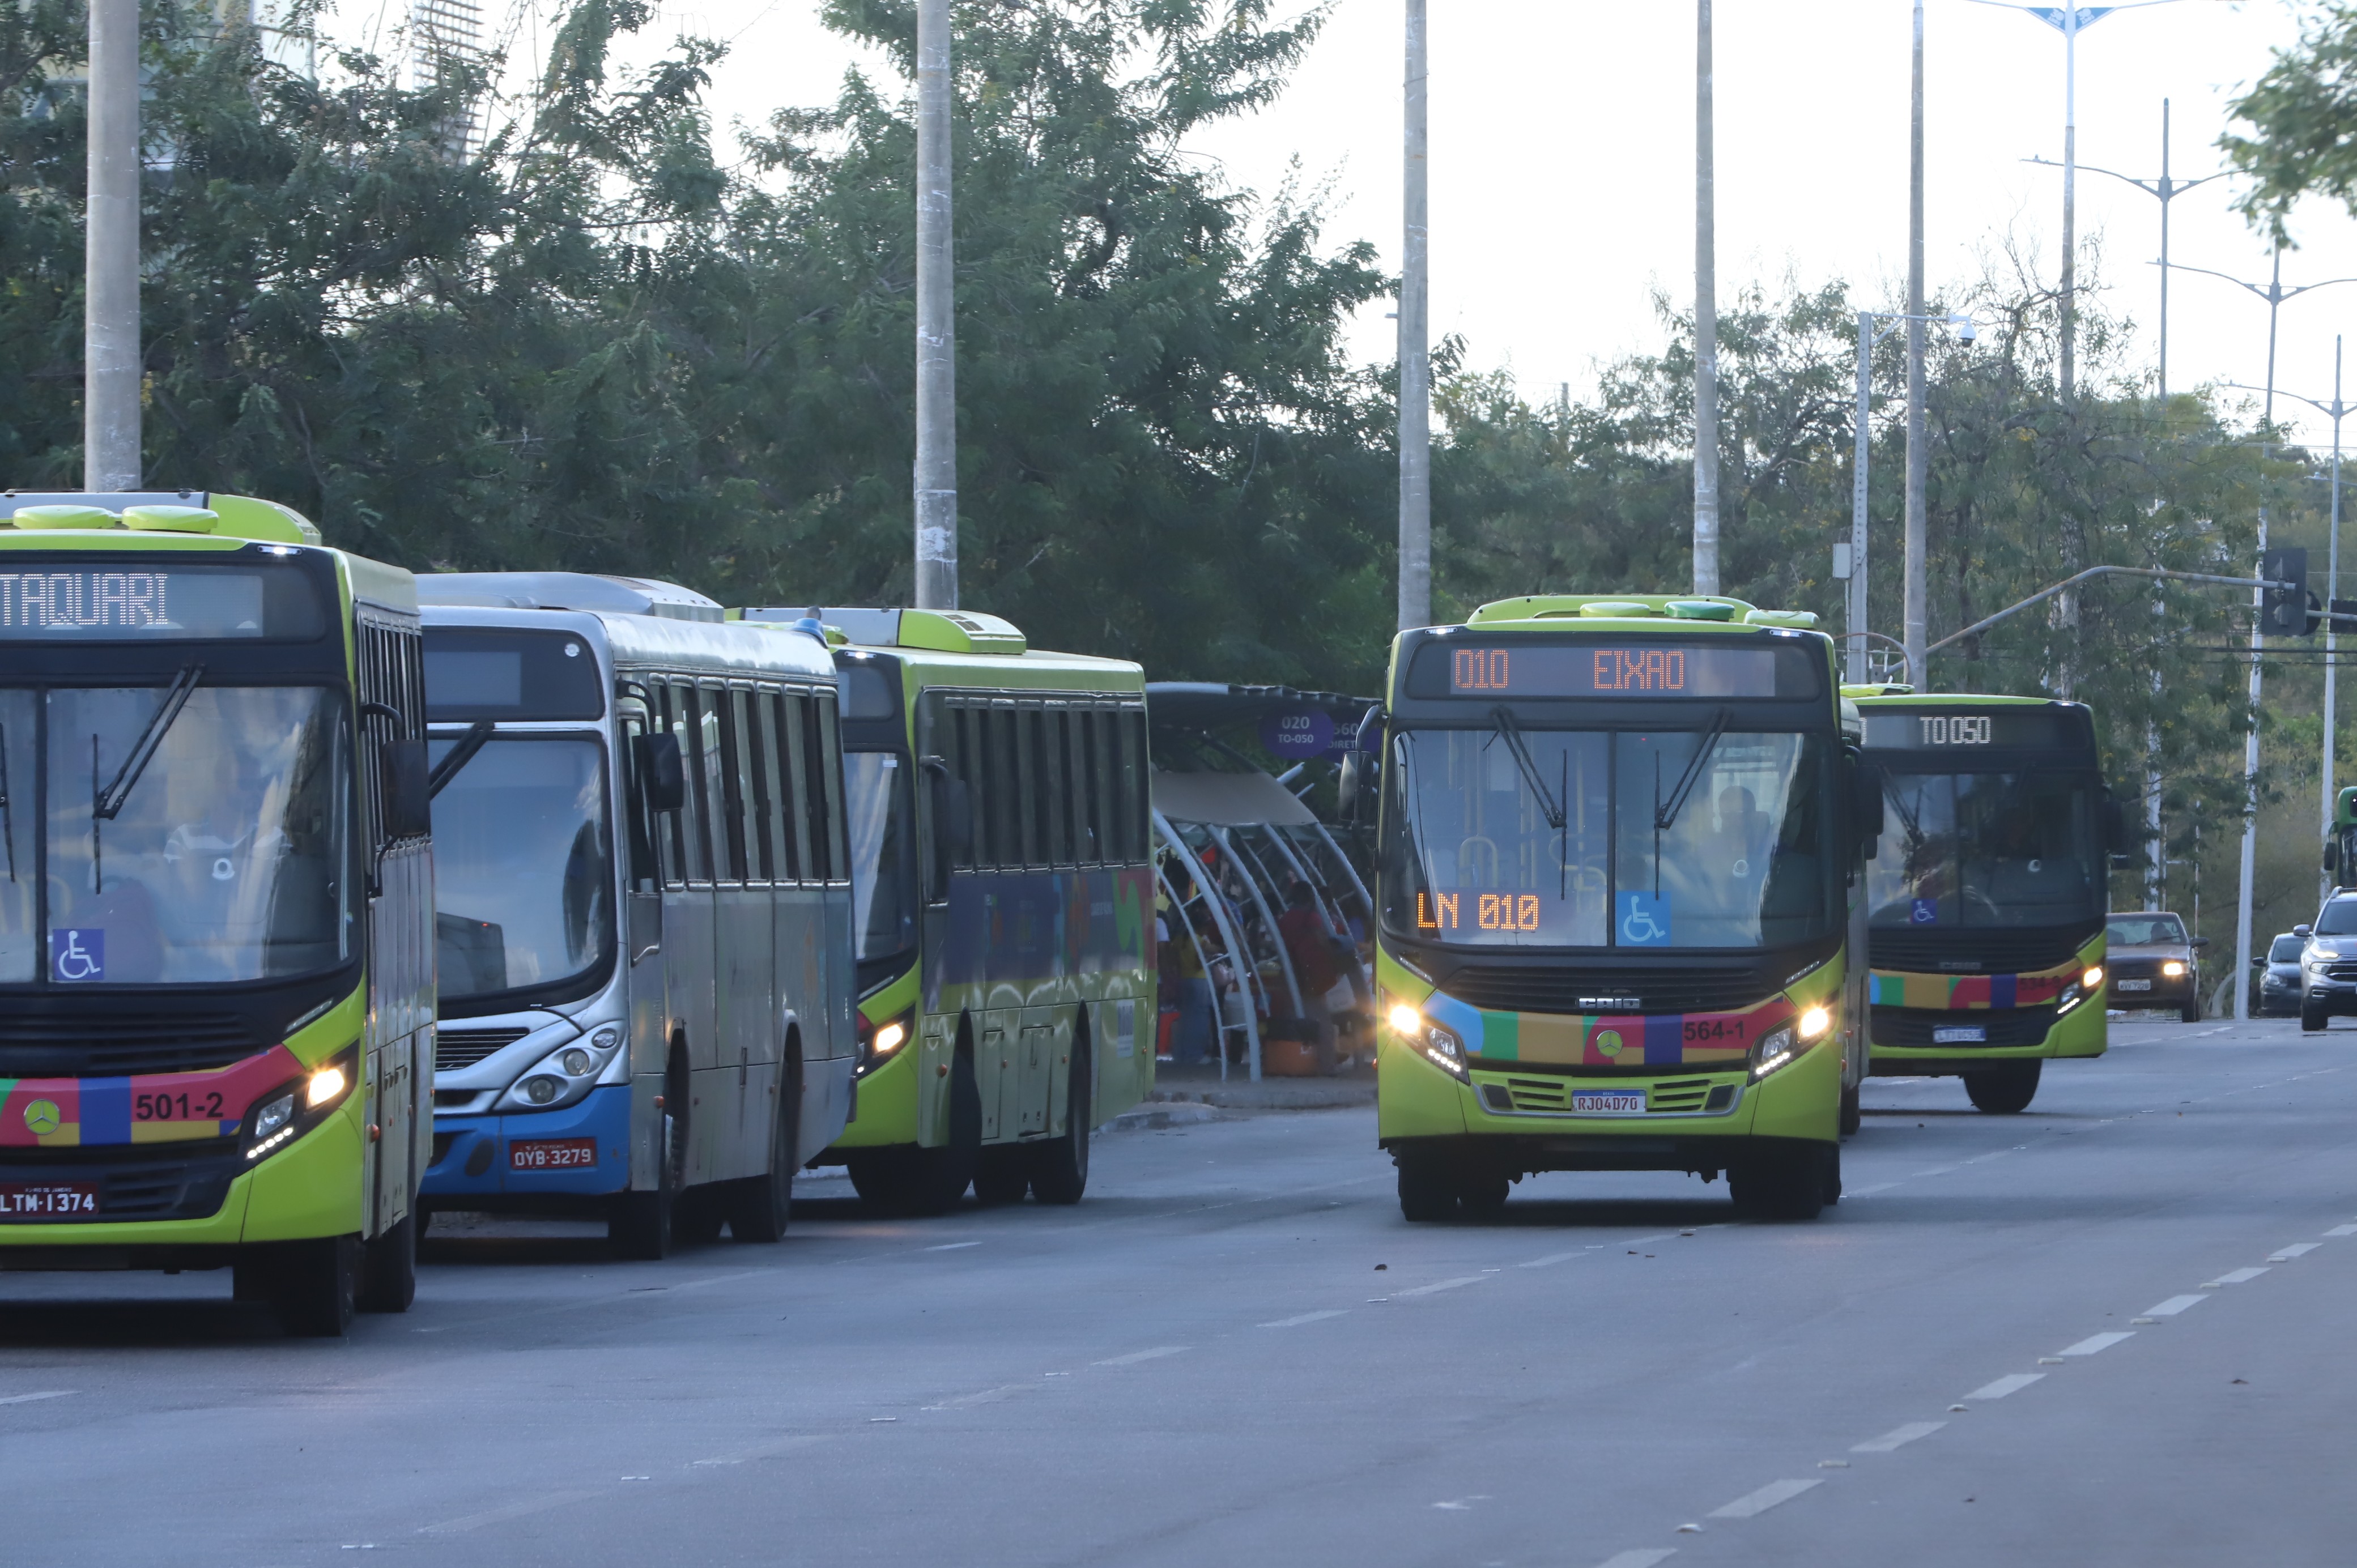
[
  {"x": 1310, "y": 945},
  {"x": 1193, "y": 1038}
]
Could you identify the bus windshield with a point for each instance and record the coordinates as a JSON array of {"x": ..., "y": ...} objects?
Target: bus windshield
[
  {"x": 522, "y": 865},
  {"x": 883, "y": 869},
  {"x": 1508, "y": 837},
  {"x": 225, "y": 858},
  {"x": 1983, "y": 849}
]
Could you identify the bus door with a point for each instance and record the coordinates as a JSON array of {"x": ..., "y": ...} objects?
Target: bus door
[
  {"x": 689, "y": 960},
  {"x": 652, "y": 819},
  {"x": 750, "y": 1031}
]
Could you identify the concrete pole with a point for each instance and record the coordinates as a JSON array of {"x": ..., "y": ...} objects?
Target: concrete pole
[
  {"x": 1415, "y": 349},
  {"x": 1863, "y": 440},
  {"x": 2167, "y": 190},
  {"x": 1916, "y": 621},
  {"x": 110, "y": 353},
  {"x": 2251, "y": 738},
  {"x": 2069, "y": 197},
  {"x": 936, "y": 471},
  {"x": 1705, "y": 473},
  {"x": 2332, "y": 588}
]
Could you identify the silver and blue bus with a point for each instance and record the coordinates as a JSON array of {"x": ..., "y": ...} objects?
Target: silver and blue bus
[{"x": 643, "y": 917}]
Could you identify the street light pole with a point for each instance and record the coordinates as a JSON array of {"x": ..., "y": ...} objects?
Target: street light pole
[
  {"x": 1705, "y": 473},
  {"x": 1861, "y": 452},
  {"x": 2069, "y": 21},
  {"x": 1916, "y": 597},
  {"x": 1415, "y": 349},
  {"x": 936, "y": 468},
  {"x": 110, "y": 351}
]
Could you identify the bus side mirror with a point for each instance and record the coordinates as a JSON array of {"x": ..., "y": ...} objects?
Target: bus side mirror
[
  {"x": 2116, "y": 828},
  {"x": 1866, "y": 812},
  {"x": 408, "y": 809},
  {"x": 662, "y": 773},
  {"x": 1346, "y": 787},
  {"x": 1362, "y": 768},
  {"x": 2331, "y": 856}
]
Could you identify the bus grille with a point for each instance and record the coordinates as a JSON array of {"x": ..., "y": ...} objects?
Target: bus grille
[
  {"x": 1553, "y": 1094},
  {"x": 456, "y": 1049},
  {"x": 1552, "y": 988},
  {"x": 2006, "y": 1027},
  {"x": 1987, "y": 951},
  {"x": 118, "y": 1045},
  {"x": 1685, "y": 1094},
  {"x": 177, "y": 1181}
]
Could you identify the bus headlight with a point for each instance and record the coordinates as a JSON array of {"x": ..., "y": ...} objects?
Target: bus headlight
[
  {"x": 292, "y": 1109},
  {"x": 1436, "y": 1043},
  {"x": 1815, "y": 1022},
  {"x": 880, "y": 1043},
  {"x": 1774, "y": 1050},
  {"x": 2092, "y": 978},
  {"x": 565, "y": 1076}
]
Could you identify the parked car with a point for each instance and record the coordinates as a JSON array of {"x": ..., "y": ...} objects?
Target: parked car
[
  {"x": 2152, "y": 965},
  {"x": 2278, "y": 975},
  {"x": 2331, "y": 960}
]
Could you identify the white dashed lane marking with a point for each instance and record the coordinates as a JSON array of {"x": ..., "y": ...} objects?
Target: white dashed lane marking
[
  {"x": 2342, "y": 1231},
  {"x": 1297, "y": 1322},
  {"x": 1134, "y": 1357},
  {"x": 1442, "y": 1285},
  {"x": 2174, "y": 1305},
  {"x": 1898, "y": 1437},
  {"x": 2012, "y": 1383},
  {"x": 987, "y": 1396},
  {"x": 1643, "y": 1558},
  {"x": 2296, "y": 1250},
  {"x": 502, "y": 1515},
  {"x": 950, "y": 1245},
  {"x": 2097, "y": 1342},
  {"x": 45, "y": 1394},
  {"x": 1766, "y": 1497},
  {"x": 2239, "y": 1277}
]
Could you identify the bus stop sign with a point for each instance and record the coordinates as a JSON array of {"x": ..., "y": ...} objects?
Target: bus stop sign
[{"x": 1298, "y": 733}]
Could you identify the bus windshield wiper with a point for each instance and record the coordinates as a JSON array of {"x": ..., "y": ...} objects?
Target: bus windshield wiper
[
  {"x": 1907, "y": 820},
  {"x": 462, "y": 751},
  {"x": 1512, "y": 735},
  {"x": 107, "y": 804},
  {"x": 1666, "y": 814}
]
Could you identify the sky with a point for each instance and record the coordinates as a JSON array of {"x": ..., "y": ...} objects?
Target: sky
[{"x": 1562, "y": 161}]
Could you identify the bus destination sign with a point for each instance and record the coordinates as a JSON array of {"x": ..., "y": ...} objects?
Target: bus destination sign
[
  {"x": 1614, "y": 670},
  {"x": 151, "y": 603}
]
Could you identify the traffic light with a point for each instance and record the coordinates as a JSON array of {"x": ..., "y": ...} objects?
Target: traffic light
[{"x": 2285, "y": 612}]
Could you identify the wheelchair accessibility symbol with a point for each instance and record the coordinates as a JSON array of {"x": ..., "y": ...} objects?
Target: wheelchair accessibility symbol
[
  {"x": 78, "y": 955},
  {"x": 1642, "y": 919}
]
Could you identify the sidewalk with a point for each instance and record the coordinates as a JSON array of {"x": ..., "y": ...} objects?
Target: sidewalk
[{"x": 1200, "y": 1084}]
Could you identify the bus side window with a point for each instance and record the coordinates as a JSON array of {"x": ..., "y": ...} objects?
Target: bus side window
[
  {"x": 644, "y": 874},
  {"x": 694, "y": 726},
  {"x": 1055, "y": 789},
  {"x": 672, "y": 832},
  {"x": 761, "y": 750},
  {"x": 792, "y": 769},
  {"x": 1134, "y": 800},
  {"x": 831, "y": 834},
  {"x": 1078, "y": 793},
  {"x": 1005, "y": 827},
  {"x": 946, "y": 738},
  {"x": 1029, "y": 788},
  {"x": 728, "y": 784},
  {"x": 972, "y": 764},
  {"x": 1108, "y": 797}
]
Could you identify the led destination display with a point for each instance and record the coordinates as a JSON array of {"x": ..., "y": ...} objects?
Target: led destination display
[
  {"x": 1645, "y": 669},
  {"x": 136, "y": 603}
]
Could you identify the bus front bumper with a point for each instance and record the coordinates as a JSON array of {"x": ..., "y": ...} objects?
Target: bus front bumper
[
  {"x": 2082, "y": 1032},
  {"x": 509, "y": 1161},
  {"x": 884, "y": 1106},
  {"x": 1695, "y": 1119}
]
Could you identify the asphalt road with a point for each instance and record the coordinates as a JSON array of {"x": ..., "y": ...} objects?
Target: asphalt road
[{"x": 2113, "y": 1330}]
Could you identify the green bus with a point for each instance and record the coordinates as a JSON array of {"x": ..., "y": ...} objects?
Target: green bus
[
  {"x": 217, "y": 927},
  {"x": 1620, "y": 839},
  {"x": 1002, "y": 905},
  {"x": 1985, "y": 906}
]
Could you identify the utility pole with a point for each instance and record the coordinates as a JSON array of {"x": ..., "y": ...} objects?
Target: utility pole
[
  {"x": 1705, "y": 477},
  {"x": 1415, "y": 349},
  {"x": 1916, "y": 616},
  {"x": 110, "y": 353},
  {"x": 2166, "y": 191},
  {"x": 936, "y": 472}
]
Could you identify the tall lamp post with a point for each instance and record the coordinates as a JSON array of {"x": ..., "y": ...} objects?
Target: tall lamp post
[
  {"x": 2071, "y": 21},
  {"x": 936, "y": 466},
  {"x": 1868, "y": 335},
  {"x": 1415, "y": 347},
  {"x": 1705, "y": 476},
  {"x": 2166, "y": 191},
  {"x": 110, "y": 353},
  {"x": 2275, "y": 294}
]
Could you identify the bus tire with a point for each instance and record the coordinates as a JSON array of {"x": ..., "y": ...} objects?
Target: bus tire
[
  {"x": 2003, "y": 1090},
  {"x": 940, "y": 1176},
  {"x": 1481, "y": 1194},
  {"x": 1782, "y": 1186},
  {"x": 641, "y": 1223},
  {"x": 389, "y": 1268},
  {"x": 1060, "y": 1168},
  {"x": 315, "y": 1285},
  {"x": 881, "y": 1180},
  {"x": 1427, "y": 1192},
  {"x": 760, "y": 1207},
  {"x": 1852, "y": 1116},
  {"x": 1002, "y": 1173}
]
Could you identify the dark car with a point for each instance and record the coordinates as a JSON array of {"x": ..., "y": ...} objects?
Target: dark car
[
  {"x": 2279, "y": 975},
  {"x": 2331, "y": 960},
  {"x": 2151, "y": 962}
]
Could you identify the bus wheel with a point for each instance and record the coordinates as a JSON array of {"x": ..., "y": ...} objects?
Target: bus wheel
[
  {"x": 1060, "y": 1169},
  {"x": 760, "y": 1205},
  {"x": 2003, "y": 1090},
  {"x": 1852, "y": 1117},
  {"x": 314, "y": 1284},
  {"x": 881, "y": 1180},
  {"x": 389, "y": 1268},
  {"x": 1428, "y": 1191},
  {"x": 1783, "y": 1186},
  {"x": 1482, "y": 1194},
  {"x": 641, "y": 1224},
  {"x": 941, "y": 1175},
  {"x": 1002, "y": 1173}
]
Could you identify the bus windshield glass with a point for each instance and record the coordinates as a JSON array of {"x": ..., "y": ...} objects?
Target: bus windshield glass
[
  {"x": 1548, "y": 837},
  {"x": 226, "y": 856},
  {"x": 883, "y": 869},
  {"x": 522, "y": 865},
  {"x": 1983, "y": 849}
]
